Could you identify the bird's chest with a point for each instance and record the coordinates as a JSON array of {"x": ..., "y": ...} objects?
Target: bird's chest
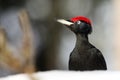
[
  {"x": 79, "y": 56},
  {"x": 78, "y": 59}
]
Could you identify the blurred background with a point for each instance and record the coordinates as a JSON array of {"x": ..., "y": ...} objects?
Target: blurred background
[{"x": 53, "y": 42}]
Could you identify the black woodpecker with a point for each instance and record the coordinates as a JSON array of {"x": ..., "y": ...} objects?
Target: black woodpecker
[{"x": 85, "y": 56}]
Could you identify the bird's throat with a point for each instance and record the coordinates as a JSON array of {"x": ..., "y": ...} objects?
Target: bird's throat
[{"x": 81, "y": 41}]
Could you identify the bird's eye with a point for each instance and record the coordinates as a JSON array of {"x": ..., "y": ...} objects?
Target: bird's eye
[{"x": 78, "y": 22}]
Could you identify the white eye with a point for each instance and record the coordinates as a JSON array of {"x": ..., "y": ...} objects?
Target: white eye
[{"x": 78, "y": 22}]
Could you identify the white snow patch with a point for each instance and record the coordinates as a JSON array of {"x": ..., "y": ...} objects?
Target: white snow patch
[{"x": 69, "y": 75}]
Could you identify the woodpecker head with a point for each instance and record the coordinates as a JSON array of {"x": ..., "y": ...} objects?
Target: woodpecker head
[{"x": 79, "y": 24}]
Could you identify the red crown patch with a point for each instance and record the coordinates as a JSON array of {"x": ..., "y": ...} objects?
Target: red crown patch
[{"x": 81, "y": 18}]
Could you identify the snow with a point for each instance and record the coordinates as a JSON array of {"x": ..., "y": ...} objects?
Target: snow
[{"x": 68, "y": 75}]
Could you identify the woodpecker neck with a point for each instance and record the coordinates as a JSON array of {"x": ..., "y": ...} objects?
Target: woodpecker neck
[
  {"x": 82, "y": 37},
  {"x": 82, "y": 41}
]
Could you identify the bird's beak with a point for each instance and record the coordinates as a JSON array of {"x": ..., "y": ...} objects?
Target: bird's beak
[{"x": 65, "y": 22}]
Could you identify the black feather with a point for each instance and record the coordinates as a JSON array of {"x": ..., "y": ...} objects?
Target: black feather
[{"x": 85, "y": 56}]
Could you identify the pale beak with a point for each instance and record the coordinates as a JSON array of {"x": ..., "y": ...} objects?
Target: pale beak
[{"x": 65, "y": 22}]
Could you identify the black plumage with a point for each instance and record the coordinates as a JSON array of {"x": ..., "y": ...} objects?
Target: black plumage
[{"x": 84, "y": 56}]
